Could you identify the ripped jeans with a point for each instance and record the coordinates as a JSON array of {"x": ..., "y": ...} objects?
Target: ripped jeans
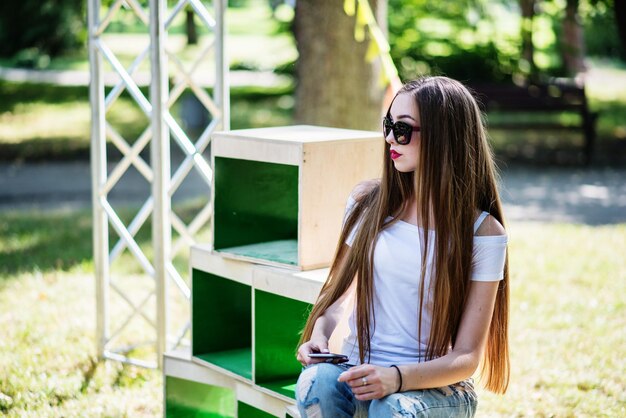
[{"x": 320, "y": 395}]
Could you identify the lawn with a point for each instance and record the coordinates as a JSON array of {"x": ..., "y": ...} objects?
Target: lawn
[
  {"x": 47, "y": 122},
  {"x": 568, "y": 313}
]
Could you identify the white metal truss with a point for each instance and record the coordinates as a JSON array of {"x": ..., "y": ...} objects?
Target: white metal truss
[{"x": 151, "y": 307}]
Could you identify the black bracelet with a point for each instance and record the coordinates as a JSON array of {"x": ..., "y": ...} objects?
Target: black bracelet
[{"x": 399, "y": 375}]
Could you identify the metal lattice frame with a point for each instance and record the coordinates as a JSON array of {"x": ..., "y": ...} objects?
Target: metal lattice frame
[{"x": 163, "y": 185}]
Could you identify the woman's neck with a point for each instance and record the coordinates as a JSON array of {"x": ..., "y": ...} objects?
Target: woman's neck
[{"x": 410, "y": 215}]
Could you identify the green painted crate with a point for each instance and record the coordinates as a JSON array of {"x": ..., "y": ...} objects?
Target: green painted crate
[
  {"x": 187, "y": 399},
  {"x": 279, "y": 194},
  {"x": 256, "y": 210},
  {"x": 246, "y": 411},
  {"x": 278, "y": 322},
  {"x": 222, "y": 322}
]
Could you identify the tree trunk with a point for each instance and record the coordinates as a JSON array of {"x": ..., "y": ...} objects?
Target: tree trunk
[
  {"x": 336, "y": 86},
  {"x": 619, "y": 8},
  {"x": 572, "y": 44},
  {"x": 528, "y": 13},
  {"x": 192, "y": 33}
]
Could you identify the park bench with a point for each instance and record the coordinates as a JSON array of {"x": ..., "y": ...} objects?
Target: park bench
[{"x": 553, "y": 96}]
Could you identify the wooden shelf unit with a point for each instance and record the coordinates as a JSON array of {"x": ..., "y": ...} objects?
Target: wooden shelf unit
[
  {"x": 279, "y": 194},
  {"x": 194, "y": 390},
  {"x": 221, "y": 317},
  {"x": 255, "y": 351},
  {"x": 278, "y": 198}
]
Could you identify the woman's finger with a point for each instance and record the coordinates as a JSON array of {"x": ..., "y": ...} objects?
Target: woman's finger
[
  {"x": 354, "y": 373},
  {"x": 368, "y": 396}
]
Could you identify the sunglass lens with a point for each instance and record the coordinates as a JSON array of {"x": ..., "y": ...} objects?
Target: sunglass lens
[
  {"x": 387, "y": 126},
  {"x": 402, "y": 133}
]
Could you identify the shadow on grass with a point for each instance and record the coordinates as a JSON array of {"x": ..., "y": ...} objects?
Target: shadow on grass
[
  {"x": 62, "y": 239},
  {"x": 564, "y": 147},
  {"x": 39, "y": 241},
  {"x": 538, "y": 148},
  {"x": 46, "y": 149},
  {"x": 14, "y": 94},
  {"x": 251, "y": 107}
]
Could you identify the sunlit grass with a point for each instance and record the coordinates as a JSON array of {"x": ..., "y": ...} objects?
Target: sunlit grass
[
  {"x": 61, "y": 240},
  {"x": 48, "y": 361},
  {"x": 568, "y": 307},
  {"x": 568, "y": 313},
  {"x": 51, "y": 122},
  {"x": 45, "y": 120},
  {"x": 44, "y": 242}
]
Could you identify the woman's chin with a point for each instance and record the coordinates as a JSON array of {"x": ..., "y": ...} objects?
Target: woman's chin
[{"x": 404, "y": 168}]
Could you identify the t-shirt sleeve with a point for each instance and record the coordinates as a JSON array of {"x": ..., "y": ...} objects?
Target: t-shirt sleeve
[
  {"x": 349, "y": 208},
  {"x": 488, "y": 258}
]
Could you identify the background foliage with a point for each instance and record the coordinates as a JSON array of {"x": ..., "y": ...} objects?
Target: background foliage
[
  {"x": 479, "y": 40},
  {"x": 602, "y": 36},
  {"x": 39, "y": 29},
  {"x": 476, "y": 40}
]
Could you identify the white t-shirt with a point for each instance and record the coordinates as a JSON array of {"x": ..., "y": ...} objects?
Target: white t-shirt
[{"x": 397, "y": 266}]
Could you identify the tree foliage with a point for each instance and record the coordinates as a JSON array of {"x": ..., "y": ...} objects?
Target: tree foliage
[
  {"x": 449, "y": 38},
  {"x": 481, "y": 40},
  {"x": 605, "y": 25},
  {"x": 46, "y": 26}
]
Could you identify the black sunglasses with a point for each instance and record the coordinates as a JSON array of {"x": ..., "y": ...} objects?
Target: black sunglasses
[{"x": 402, "y": 131}]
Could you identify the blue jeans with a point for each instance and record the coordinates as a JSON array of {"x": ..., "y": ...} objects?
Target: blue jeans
[{"x": 320, "y": 395}]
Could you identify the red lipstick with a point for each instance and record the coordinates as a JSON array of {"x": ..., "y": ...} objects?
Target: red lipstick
[{"x": 394, "y": 154}]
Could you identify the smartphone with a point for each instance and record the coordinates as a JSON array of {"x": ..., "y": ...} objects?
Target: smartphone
[{"x": 330, "y": 357}]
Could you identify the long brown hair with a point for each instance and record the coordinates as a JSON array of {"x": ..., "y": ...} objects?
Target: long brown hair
[{"x": 455, "y": 176}]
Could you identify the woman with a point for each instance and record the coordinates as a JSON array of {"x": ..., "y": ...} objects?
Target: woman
[{"x": 423, "y": 251}]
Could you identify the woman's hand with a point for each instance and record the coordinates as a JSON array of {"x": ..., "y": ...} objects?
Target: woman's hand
[
  {"x": 312, "y": 346},
  {"x": 371, "y": 382}
]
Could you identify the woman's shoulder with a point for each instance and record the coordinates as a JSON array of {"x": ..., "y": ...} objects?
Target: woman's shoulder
[
  {"x": 489, "y": 226},
  {"x": 364, "y": 188}
]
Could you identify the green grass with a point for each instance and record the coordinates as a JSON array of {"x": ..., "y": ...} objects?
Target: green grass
[
  {"x": 47, "y": 122},
  {"x": 53, "y": 122},
  {"x": 44, "y": 242},
  {"x": 39, "y": 121},
  {"x": 568, "y": 313},
  {"x": 48, "y": 361}
]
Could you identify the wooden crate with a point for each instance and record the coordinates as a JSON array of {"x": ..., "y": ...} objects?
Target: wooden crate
[
  {"x": 194, "y": 390},
  {"x": 246, "y": 317},
  {"x": 279, "y": 194},
  {"x": 246, "y": 320},
  {"x": 221, "y": 313}
]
